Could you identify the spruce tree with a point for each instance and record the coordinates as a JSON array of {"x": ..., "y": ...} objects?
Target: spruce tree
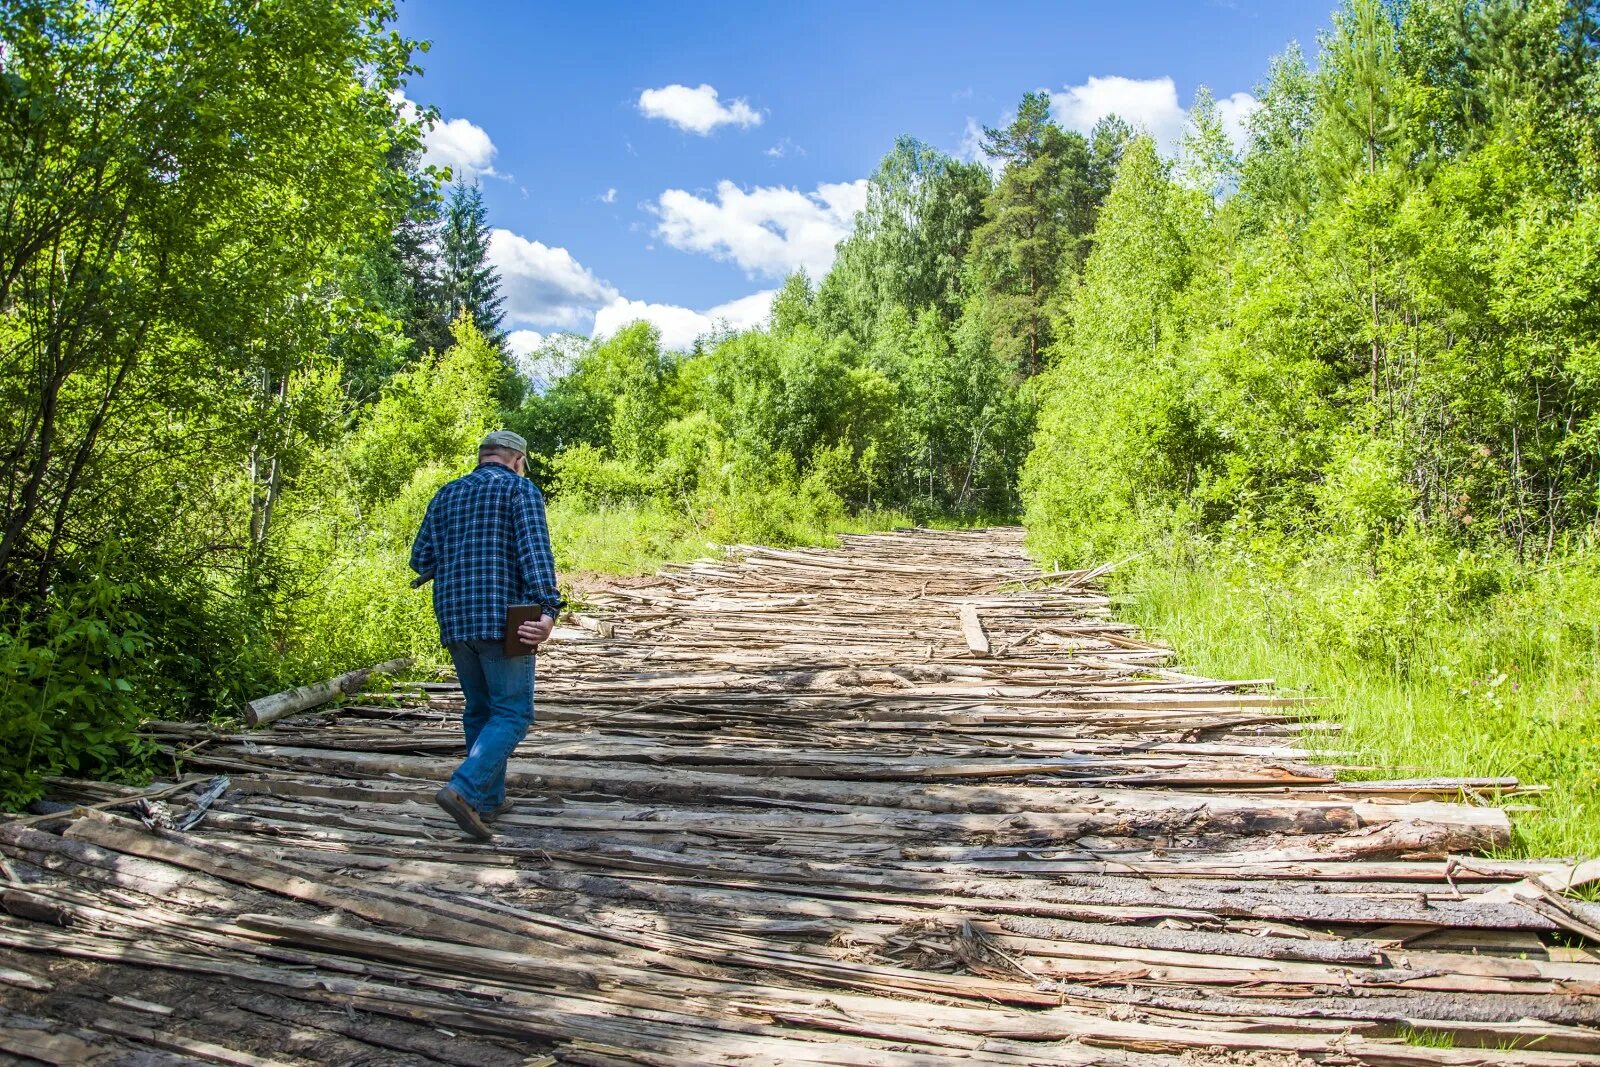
[
  {"x": 421, "y": 298},
  {"x": 470, "y": 282}
]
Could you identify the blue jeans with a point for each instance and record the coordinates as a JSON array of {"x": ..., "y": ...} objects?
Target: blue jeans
[{"x": 499, "y": 694}]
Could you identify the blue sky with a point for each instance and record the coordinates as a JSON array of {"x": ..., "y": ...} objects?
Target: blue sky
[{"x": 674, "y": 161}]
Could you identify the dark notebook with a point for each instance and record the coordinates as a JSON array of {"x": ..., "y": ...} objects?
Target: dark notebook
[{"x": 516, "y": 615}]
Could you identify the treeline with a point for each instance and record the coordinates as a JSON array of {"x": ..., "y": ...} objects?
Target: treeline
[
  {"x": 1378, "y": 326},
  {"x": 1338, "y": 394}
]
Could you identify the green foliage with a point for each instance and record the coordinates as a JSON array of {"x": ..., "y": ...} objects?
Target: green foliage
[
  {"x": 909, "y": 243},
  {"x": 1435, "y": 661},
  {"x": 431, "y": 415},
  {"x": 1340, "y": 394},
  {"x": 208, "y": 225},
  {"x": 925, "y": 418},
  {"x": 586, "y": 477},
  {"x": 68, "y": 696},
  {"x": 1121, "y": 442}
]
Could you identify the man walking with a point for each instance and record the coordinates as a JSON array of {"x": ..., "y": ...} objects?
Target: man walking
[{"x": 485, "y": 544}]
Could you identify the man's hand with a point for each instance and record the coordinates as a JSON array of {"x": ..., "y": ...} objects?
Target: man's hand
[{"x": 536, "y": 633}]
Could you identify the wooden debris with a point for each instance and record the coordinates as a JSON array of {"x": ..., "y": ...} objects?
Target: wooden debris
[{"x": 778, "y": 809}]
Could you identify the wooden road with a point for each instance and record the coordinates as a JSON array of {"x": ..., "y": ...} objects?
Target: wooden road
[{"x": 903, "y": 802}]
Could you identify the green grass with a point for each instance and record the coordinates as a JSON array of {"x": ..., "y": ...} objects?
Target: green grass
[
  {"x": 1427, "y": 1038},
  {"x": 1507, "y": 687}
]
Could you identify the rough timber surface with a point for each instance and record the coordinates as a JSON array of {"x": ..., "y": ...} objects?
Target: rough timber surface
[{"x": 907, "y": 801}]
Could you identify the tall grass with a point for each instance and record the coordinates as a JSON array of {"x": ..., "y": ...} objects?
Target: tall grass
[{"x": 1504, "y": 683}]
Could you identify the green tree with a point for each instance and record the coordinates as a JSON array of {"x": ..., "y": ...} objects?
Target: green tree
[
  {"x": 1121, "y": 440},
  {"x": 1207, "y": 160},
  {"x": 1361, "y": 107},
  {"x": 909, "y": 241},
  {"x": 1035, "y": 229},
  {"x": 794, "y": 306},
  {"x": 470, "y": 282},
  {"x": 1276, "y": 179},
  {"x": 174, "y": 244},
  {"x": 193, "y": 191},
  {"x": 400, "y": 278}
]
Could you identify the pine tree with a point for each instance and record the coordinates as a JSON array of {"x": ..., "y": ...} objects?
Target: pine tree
[
  {"x": 470, "y": 282},
  {"x": 1036, "y": 227}
]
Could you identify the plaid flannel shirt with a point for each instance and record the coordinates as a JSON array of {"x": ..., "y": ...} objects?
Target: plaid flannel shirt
[{"x": 485, "y": 542}]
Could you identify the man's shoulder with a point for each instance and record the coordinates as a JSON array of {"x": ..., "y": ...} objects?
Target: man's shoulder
[
  {"x": 467, "y": 484},
  {"x": 490, "y": 478},
  {"x": 509, "y": 481},
  {"x": 453, "y": 486}
]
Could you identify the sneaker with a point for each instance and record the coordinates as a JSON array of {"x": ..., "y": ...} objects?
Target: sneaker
[
  {"x": 505, "y": 806},
  {"x": 458, "y": 809}
]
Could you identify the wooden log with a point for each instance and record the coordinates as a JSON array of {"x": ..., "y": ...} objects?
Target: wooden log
[
  {"x": 597, "y": 626},
  {"x": 269, "y": 708},
  {"x": 206, "y": 1051},
  {"x": 38, "y": 1042}
]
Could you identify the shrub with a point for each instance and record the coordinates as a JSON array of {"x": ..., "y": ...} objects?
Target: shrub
[
  {"x": 587, "y": 477},
  {"x": 69, "y": 694}
]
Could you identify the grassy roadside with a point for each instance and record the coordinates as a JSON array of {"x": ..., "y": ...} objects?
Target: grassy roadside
[{"x": 1509, "y": 687}]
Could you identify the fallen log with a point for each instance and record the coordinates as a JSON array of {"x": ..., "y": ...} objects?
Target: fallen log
[{"x": 270, "y": 708}]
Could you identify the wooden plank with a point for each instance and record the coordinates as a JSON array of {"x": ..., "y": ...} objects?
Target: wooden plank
[{"x": 972, "y": 629}]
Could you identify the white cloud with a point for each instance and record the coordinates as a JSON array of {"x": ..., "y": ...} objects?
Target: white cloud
[
  {"x": 524, "y": 343},
  {"x": 463, "y": 147},
  {"x": 1151, "y": 105},
  {"x": 680, "y": 326},
  {"x": 769, "y": 230},
  {"x": 1235, "y": 112},
  {"x": 696, "y": 110},
  {"x": 785, "y": 147},
  {"x": 545, "y": 286},
  {"x": 459, "y": 144},
  {"x": 608, "y": 197}
]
